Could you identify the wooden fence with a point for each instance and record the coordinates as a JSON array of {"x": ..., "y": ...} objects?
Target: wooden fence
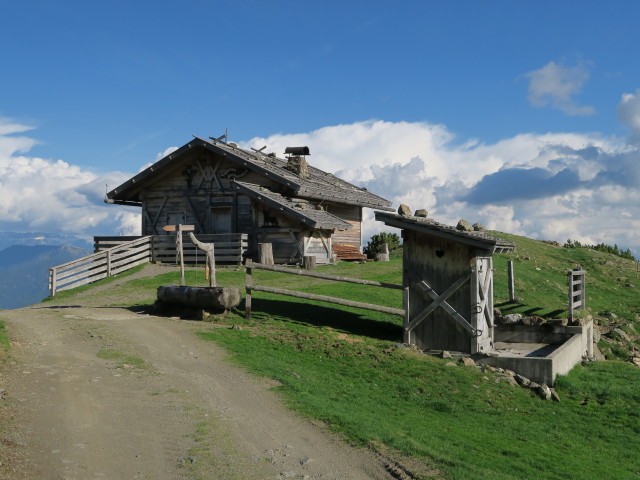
[
  {"x": 118, "y": 254},
  {"x": 577, "y": 284},
  {"x": 250, "y": 287},
  {"x": 229, "y": 248},
  {"x": 100, "y": 265}
]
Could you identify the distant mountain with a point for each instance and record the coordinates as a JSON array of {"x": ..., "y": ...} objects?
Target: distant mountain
[
  {"x": 8, "y": 239},
  {"x": 24, "y": 271}
]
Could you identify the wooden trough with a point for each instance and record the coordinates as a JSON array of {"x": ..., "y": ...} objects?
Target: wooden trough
[{"x": 216, "y": 299}]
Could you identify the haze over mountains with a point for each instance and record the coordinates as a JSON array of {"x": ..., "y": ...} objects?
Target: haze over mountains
[{"x": 24, "y": 269}]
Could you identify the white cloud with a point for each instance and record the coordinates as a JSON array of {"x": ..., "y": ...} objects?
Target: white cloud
[
  {"x": 557, "y": 85},
  {"x": 629, "y": 114},
  {"x": 569, "y": 185},
  {"x": 39, "y": 194}
]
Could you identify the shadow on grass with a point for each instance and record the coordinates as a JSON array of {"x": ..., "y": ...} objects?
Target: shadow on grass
[{"x": 321, "y": 316}]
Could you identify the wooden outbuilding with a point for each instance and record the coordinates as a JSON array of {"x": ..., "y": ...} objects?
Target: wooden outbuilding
[
  {"x": 449, "y": 274},
  {"x": 223, "y": 189}
]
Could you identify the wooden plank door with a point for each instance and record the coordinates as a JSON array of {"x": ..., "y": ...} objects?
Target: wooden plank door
[
  {"x": 221, "y": 220},
  {"x": 482, "y": 306}
]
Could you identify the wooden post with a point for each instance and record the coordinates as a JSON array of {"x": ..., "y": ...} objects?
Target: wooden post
[
  {"x": 570, "y": 299},
  {"x": 108, "y": 263},
  {"x": 180, "y": 254},
  {"x": 383, "y": 256},
  {"x": 309, "y": 262},
  {"x": 179, "y": 229},
  {"x": 210, "y": 269},
  {"x": 266, "y": 253},
  {"x": 407, "y": 316},
  {"x": 248, "y": 283},
  {"x": 512, "y": 285},
  {"x": 52, "y": 280}
]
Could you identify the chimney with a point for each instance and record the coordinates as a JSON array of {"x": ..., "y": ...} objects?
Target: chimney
[{"x": 296, "y": 161}]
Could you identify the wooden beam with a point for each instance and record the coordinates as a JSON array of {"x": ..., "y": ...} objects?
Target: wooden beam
[{"x": 324, "y": 298}]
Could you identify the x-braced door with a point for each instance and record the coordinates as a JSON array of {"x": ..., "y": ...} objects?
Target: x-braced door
[{"x": 482, "y": 308}]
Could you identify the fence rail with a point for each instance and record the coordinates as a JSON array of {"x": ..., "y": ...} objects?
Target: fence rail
[
  {"x": 230, "y": 248},
  {"x": 250, "y": 287},
  {"x": 114, "y": 255},
  {"x": 103, "y": 264},
  {"x": 577, "y": 284}
]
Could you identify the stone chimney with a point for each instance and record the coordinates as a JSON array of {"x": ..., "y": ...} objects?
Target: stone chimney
[{"x": 296, "y": 161}]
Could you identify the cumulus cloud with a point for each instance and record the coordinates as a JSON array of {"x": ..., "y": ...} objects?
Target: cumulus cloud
[
  {"x": 552, "y": 186},
  {"x": 556, "y": 85},
  {"x": 39, "y": 194},
  {"x": 629, "y": 114}
]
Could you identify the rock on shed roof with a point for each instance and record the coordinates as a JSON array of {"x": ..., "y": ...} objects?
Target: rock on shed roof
[
  {"x": 431, "y": 227},
  {"x": 300, "y": 210}
]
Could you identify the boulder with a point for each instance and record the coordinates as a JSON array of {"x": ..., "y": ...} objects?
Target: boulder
[
  {"x": 464, "y": 226},
  {"x": 533, "y": 320},
  {"x": 468, "y": 362},
  {"x": 421, "y": 213},
  {"x": 404, "y": 210},
  {"x": 510, "y": 319},
  {"x": 478, "y": 227}
]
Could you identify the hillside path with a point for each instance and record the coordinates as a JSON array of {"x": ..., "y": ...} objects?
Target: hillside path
[{"x": 185, "y": 413}]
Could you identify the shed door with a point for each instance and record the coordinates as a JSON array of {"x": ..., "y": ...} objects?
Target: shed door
[
  {"x": 221, "y": 220},
  {"x": 482, "y": 311}
]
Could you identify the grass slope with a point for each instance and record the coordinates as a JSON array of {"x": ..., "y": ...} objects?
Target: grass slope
[{"x": 344, "y": 367}]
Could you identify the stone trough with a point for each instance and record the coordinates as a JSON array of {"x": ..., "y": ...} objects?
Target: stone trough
[
  {"x": 210, "y": 299},
  {"x": 540, "y": 352}
]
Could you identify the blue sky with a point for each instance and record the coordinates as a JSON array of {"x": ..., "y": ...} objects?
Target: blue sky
[{"x": 521, "y": 115}]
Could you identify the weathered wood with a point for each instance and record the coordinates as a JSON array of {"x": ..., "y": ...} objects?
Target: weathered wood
[
  {"x": 247, "y": 299},
  {"x": 511, "y": 280},
  {"x": 207, "y": 298},
  {"x": 208, "y": 248},
  {"x": 266, "y": 253},
  {"x": 324, "y": 298},
  {"x": 309, "y": 262},
  {"x": 407, "y": 316},
  {"x": 296, "y": 271}
]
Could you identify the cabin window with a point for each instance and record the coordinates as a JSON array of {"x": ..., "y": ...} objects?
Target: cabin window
[{"x": 221, "y": 220}]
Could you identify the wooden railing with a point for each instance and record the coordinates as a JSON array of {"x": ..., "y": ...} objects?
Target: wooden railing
[
  {"x": 103, "y": 264},
  {"x": 250, "y": 287},
  {"x": 577, "y": 284},
  {"x": 230, "y": 248},
  {"x": 118, "y": 254}
]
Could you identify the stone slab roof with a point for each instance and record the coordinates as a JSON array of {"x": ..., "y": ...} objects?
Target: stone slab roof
[
  {"x": 296, "y": 208},
  {"x": 319, "y": 185},
  {"x": 431, "y": 227}
]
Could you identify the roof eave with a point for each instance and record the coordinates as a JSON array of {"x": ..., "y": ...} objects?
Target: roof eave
[{"x": 405, "y": 223}]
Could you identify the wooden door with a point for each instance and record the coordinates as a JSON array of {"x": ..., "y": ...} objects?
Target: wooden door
[
  {"x": 482, "y": 308},
  {"x": 221, "y": 220}
]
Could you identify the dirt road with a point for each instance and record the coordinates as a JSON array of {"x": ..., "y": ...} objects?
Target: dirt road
[{"x": 85, "y": 407}]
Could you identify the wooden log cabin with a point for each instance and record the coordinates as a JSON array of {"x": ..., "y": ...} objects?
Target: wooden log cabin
[{"x": 221, "y": 188}]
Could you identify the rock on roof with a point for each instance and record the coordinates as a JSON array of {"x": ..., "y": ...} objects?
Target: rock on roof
[{"x": 431, "y": 227}]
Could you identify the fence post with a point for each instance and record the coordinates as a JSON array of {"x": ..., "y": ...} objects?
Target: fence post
[
  {"x": 52, "y": 281},
  {"x": 109, "y": 263},
  {"x": 407, "y": 316},
  {"x": 248, "y": 284},
  {"x": 512, "y": 285}
]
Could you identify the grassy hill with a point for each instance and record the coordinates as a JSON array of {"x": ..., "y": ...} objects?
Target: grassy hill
[{"x": 346, "y": 368}]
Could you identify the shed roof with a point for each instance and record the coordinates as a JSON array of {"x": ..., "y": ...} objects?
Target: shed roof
[
  {"x": 318, "y": 185},
  {"x": 296, "y": 208},
  {"x": 429, "y": 226}
]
